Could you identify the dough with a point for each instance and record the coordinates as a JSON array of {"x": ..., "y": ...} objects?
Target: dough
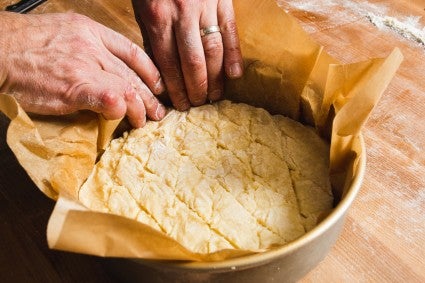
[{"x": 220, "y": 176}]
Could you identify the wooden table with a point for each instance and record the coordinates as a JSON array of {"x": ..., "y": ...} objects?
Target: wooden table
[{"x": 383, "y": 239}]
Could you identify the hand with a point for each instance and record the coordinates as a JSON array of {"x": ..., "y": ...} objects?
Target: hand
[
  {"x": 60, "y": 63},
  {"x": 191, "y": 65}
]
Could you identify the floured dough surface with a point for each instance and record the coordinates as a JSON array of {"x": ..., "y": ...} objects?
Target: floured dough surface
[{"x": 220, "y": 176}]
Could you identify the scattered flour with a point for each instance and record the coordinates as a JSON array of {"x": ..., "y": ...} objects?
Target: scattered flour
[
  {"x": 330, "y": 6},
  {"x": 360, "y": 7},
  {"x": 405, "y": 26},
  {"x": 408, "y": 28}
]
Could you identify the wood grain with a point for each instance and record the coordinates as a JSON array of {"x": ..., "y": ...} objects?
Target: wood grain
[
  {"x": 383, "y": 239},
  {"x": 384, "y": 236}
]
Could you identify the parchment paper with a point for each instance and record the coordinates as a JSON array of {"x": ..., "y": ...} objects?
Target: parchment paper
[{"x": 286, "y": 72}]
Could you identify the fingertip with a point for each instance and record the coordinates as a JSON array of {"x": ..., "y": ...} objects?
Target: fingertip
[
  {"x": 136, "y": 110},
  {"x": 232, "y": 50},
  {"x": 159, "y": 87},
  {"x": 138, "y": 123},
  {"x": 160, "y": 112}
]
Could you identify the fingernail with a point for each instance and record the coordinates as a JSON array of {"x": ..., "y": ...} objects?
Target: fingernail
[
  {"x": 159, "y": 87},
  {"x": 235, "y": 70},
  {"x": 139, "y": 123},
  {"x": 160, "y": 112},
  {"x": 143, "y": 123}
]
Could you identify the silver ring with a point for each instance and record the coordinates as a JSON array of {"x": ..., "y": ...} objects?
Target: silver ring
[{"x": 210, "y": 29}]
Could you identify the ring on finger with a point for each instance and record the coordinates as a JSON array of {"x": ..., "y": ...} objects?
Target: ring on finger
[{"x": 210, "y": 29}]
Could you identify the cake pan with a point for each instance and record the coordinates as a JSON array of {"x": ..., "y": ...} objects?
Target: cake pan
[{"x": 288, "y": 263}]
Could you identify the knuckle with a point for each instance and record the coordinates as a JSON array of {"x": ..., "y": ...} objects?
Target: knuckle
[
  {"x": 170, "y": 68},
  {"x": 233, "y": 52},
  {"x": 233, "y": 49},
  {"x": 231, "y": 37},
  {"x": 213, "y": 45},
  {"x": 108, "y": 99},
  {"x": 156, "y": 15},
  {"x": 133, "y": 51},
  {"x": 195, "y": 62},
  {"x": 181, "y": 5},
  {"x": 202, "y": 84},
  {"x": 189, "y": 41},
  {"x": 82, "y": 46},
  {"x": 156, "y": 32},
  {"x": 130, "y": 94},
  {"x": 230, "y": 27}
]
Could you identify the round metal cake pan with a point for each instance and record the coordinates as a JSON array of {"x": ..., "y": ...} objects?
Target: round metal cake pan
[{"x": 288, "y": 263}]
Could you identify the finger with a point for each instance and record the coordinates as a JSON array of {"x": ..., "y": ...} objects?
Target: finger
[
  {"x": 134, "y": 56},
  {"x": 166, "y": 55},
  {"x": 233, "y": 63},
  {"x": 146, "y": 41},
  {"x": 213, "y": 50},
  {"x": 192, "y": 59},
  {"x": 136, "y": 111},
  {"x": 154, "y": 109},
  {"x": 112, "y": 96}
]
